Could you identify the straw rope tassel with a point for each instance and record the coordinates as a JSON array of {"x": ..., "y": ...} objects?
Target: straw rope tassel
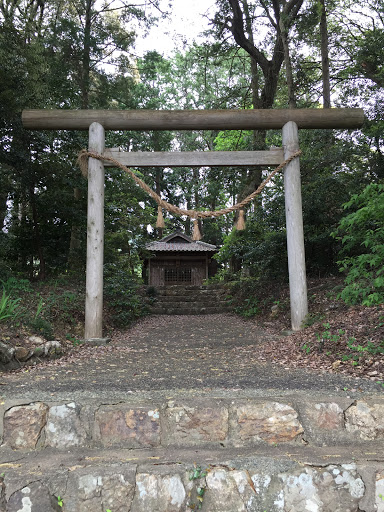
[
  {"x": 196, "y": 231},
  {"x": 82, "y": 161},
  {"x": 160, "y": 219},
  {"x": 240, "y": 224}
]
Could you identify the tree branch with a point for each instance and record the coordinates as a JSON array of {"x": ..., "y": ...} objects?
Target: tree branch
[
  {"x": 272, "y": 21},
  {"x": 238, "y": 33}
]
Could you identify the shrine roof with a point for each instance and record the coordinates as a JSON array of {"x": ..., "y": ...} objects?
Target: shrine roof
[{"x": 177, "y": 242}]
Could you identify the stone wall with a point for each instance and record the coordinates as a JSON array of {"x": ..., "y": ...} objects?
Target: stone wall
[
  {"x": 203, "y": 423},
  {"x": 226, "y": 455},
  {"x": 333, "y": 488},
  {"x": 33, "y": 351}
]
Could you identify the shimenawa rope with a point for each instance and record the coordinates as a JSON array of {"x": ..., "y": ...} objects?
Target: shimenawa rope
[{"x": 193, "y": 214}]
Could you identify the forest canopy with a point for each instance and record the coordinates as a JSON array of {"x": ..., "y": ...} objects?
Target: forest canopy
[{"x": 80, "y": 54}]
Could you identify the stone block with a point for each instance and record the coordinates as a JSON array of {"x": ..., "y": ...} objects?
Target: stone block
[
  {"x": 52, "y": 348},
  {"x": 190, "y": 426},
  {"x": 98, "y": 342},
  {"x": 326, "y": 416},
  {"x": 22, "y": 353},
  {"x": 64, "y": 427},
  {"x": 366, "y": 419},
  {"x": 159, "y": 493},
  {"x": 23, "y": 426},
  {"x": 36, "y": 340},
  {"x": 100, "y": 489},
  {"x": 35, "y": 497},
  {"x": 229, "y": 491},
  {"x": 123, "y": 426},
  {"x": 271, "y": 422},
  {"x": 324, "y": 422},
  {"x": 379, "y": 492},
  {"x": 330, "y": 489},
  {"x": 334, "y": 489},
  {"x": 6, "y": 353},
  {"x": 38, "y": 351}
]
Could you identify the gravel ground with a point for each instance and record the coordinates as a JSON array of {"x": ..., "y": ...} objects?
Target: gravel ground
[{"x": 180, "y": 352}]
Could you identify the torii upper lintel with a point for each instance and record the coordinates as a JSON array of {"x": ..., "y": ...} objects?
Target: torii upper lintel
[{"x": 253, "y": 119}]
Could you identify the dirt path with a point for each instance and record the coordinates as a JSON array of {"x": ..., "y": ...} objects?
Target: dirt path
[{"x": 176, "y": 352}]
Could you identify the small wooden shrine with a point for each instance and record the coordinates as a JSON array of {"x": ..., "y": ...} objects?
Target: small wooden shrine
[{"x": 177, "y": 259}]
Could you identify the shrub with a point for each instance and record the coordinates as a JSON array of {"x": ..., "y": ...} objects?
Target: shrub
[
  {"x": 42, "y": 327},
  {"x": 8, "y": 307},
  {"x": 14, "y": 285},
  {"x": 361, "y": 233},
  {"x": 250, "y": 308},
  {"x": 151, "y": 292},
  {"x": 66, "y": 306},
  {"x": 123, "y": 302}
]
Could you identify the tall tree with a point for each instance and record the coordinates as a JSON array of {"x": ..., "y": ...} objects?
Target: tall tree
[
  {"x": 53, "y": 55},
  {"x": 231, "y": 17},
  {"x": 325, "y": 56}
]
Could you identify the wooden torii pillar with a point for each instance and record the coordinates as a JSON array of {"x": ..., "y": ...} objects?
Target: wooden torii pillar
[
  {"x": 96, "y": 121},
  {"x": 95, "y": 237}
]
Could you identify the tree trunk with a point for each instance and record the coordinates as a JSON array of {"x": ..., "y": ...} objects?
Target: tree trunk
[
  {"x": 196, "y": 197},
  {"x": 85, "y": 82},
  {"x": 36, "y": 231},
  {"x": 74, "y": 245},
  {"x": 288, "y": 64},
  {"x": 258, "y": 136},
  {"x": 159, "y": 175},
  {"x": 254, "y": 65},
  {"x": 325, "y": 57},
  {"x": 20, "y": 222},
  {"x": 3, "y": 207},
  {"x": 74, "y": 257},
  {"x": 270, "y": 68}
]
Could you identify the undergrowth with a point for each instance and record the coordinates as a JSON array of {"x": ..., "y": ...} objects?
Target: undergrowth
[
  {"x": 54, "y": 309},
  {"x": 336, "y": 342}
]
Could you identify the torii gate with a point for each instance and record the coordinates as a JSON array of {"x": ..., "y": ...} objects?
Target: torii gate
[{"x": 97, "y": 121}]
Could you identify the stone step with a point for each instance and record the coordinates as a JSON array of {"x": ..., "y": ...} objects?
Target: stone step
[
  {"x": 182, "y": 480},
  {"x": 203, "y": 422},
  {"x": 208, "y": 297},
  {"x": 153, "y": 453},
  {"x": 216, "y": 287},
  {"x": 187, "y": 290},
  {"x": 205, "y": 306},
  {"x": 191, "y": 303},
  {"x": 188, "y": 298},
  {"x": 189, "y": 310}
]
